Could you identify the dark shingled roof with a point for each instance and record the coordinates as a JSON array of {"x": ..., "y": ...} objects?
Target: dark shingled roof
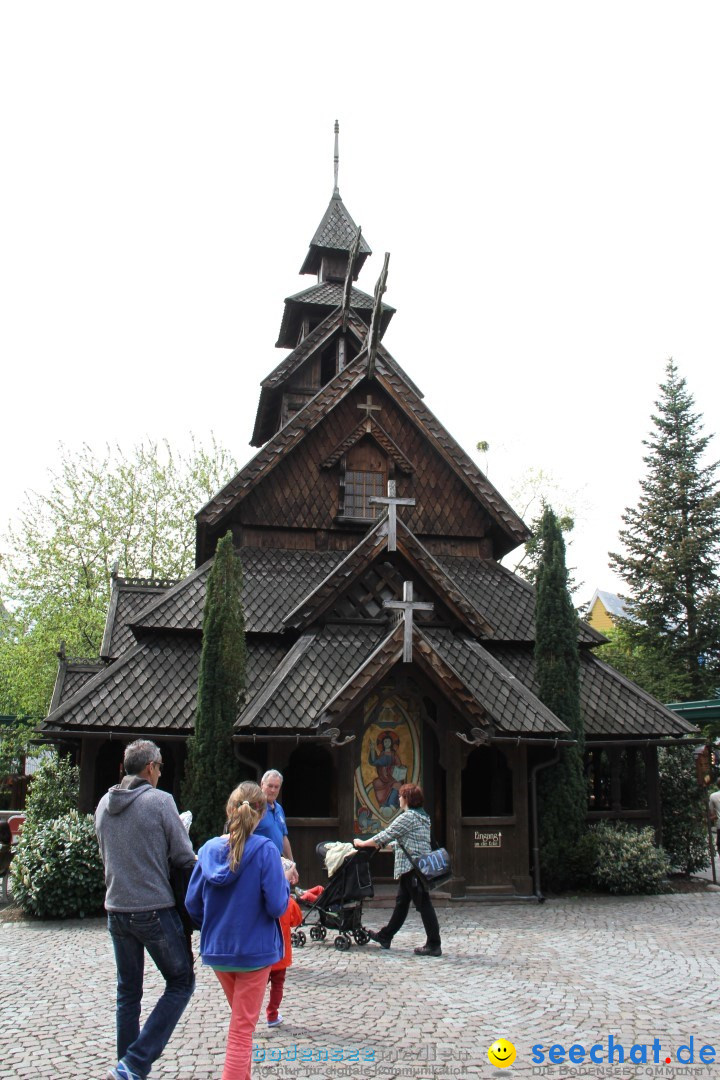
[
  {"x": 309, "y": 675},
  {"x": 514, "y": 709},
  {"x": 274, "y": 582},
  {"x": 506, "y": 599},
  {"x": 129, "y": 596},
  {"x": 612, "y": 706},
  {"x": 336, "y": 232},
  {"x": 71, "y": 677},
  {"x": 154, "y": 685},
  {"x": 326, "y": 295}
]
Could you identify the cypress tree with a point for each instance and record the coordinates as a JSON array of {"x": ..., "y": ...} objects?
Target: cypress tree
[
  {"x": 211, "y": 769},
  {"x": 561, "y": 788},
  {"x": 672, "y": 542}
]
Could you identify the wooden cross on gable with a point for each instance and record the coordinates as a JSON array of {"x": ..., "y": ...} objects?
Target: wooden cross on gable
[
  {"x": 407, "y": 605},
  {"x": 392, "y": 502},
  {"x": 369, "y": 408}
]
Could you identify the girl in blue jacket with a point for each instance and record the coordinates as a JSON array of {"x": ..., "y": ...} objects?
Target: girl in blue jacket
[{"x": 237, "y": 893}]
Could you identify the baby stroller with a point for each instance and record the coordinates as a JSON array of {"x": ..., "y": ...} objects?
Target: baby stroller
[{"x": 339, "y": 906}]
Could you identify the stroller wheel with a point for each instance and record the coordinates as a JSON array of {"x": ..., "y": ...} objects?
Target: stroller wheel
[
  {"x": 342, "y": 942},
  {"x": 361, "y": 936},
  {"x": 318, "y": 933},
  {"x": 297, "y": 937}
]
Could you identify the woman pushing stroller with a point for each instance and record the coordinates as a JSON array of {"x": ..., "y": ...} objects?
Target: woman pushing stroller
[{"x": 411, "y": 829}]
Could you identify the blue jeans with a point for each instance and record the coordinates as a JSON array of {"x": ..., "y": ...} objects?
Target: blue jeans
[{"x": 161, "y": 933}]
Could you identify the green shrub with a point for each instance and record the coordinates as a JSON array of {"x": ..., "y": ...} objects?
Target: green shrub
[
  {"x": 54, "y": 790},
  {"x": 621, "y": 859},
  {"x": 57, "y": 871}
]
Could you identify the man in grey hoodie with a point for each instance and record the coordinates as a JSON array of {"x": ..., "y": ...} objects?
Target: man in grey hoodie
[{"x": 141, "y": 835}]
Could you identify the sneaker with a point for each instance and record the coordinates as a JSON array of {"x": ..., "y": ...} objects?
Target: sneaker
[
  {"x": 122, "y": 1072},
  {"x": 428, "y": 950},
  {"x": 378, "y": 939},
  {"x": 276, "y": 1022}
]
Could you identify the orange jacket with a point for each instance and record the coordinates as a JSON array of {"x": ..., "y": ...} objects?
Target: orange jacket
[{"x": 292, "y": 917}]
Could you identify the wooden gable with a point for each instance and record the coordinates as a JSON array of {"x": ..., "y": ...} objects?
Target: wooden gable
[{"x": 303, "y": 493}]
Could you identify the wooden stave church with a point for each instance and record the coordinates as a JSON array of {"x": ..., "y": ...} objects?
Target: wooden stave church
[{"x": 347, "y": 696}]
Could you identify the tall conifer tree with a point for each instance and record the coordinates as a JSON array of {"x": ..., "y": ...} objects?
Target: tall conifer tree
[
  {"x": 672, "y": 543},
  {"x": 562, "y": 789},
  {"x": 211, "y": 770}
]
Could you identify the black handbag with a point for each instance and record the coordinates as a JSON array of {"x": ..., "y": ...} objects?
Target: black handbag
[{"x": 432, "y": 869}]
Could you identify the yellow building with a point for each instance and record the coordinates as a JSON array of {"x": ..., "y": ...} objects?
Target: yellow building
[{"x": 604, "y": 609}]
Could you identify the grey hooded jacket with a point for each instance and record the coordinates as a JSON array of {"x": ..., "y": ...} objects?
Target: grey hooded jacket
[{"x": 140, "y": 835}]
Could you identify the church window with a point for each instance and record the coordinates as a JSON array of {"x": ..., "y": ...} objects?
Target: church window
[
  {"x": 364, "y": 476},
  {"x": 616, "y": 780},
  {"x": 359, "y": 488},
  {"x": 486, "y": 784},
  {"x": 328, "y": 364},
  {"x": 310, "y": 783}
]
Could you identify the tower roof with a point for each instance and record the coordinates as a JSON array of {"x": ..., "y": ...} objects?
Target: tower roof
[
  {"x": 321, "y": 299},
  {"x": 335, "y": 232}
]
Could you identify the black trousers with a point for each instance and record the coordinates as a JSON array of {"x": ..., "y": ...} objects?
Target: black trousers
[{"x": 410, "y": 889}]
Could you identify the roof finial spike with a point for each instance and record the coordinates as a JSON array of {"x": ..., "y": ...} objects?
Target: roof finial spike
[{"x": 336, "y": 189}]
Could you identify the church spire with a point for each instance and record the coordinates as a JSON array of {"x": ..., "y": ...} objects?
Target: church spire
[
  {"x": 336, "y": 189},
  {"x": 333, "y": 240}
]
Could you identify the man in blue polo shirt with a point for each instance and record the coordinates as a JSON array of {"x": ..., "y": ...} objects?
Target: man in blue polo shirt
[{"x": 272, "y": 824}]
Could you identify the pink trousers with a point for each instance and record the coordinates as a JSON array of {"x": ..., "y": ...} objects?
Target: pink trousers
[{"x": 245, "y": 991}]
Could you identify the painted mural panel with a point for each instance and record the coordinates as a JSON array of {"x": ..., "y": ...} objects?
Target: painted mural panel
[{"x": 389, "y": 757}]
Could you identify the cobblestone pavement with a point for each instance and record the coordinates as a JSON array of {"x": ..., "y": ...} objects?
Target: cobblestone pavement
[{"x": 566, "y": 972}]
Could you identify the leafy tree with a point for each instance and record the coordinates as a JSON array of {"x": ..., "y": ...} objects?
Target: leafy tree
[
  {"x": 684, "y": 810},
  {"x": 671, "y": 545},
  {"x": 211, "y": 769},
  {"x": 133, "y": 509},
  {"x": 561, "y": 789},
  {"x": 536, "y": 489}
]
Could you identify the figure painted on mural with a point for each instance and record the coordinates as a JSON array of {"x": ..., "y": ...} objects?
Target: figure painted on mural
[{"x": 391, "y": 773}]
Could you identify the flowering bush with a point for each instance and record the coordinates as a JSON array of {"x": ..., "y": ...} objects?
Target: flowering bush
[
  {"x": 621, "y": 859},
  {"x": 57, "y": 871},
  {"x": 54, "y": 790}
]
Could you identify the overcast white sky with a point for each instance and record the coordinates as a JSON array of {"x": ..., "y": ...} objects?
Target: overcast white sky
[{"x": 544, "y": 175}]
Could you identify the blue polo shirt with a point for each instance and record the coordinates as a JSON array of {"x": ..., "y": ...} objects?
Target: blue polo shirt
[{"x": 273, "y": 825}]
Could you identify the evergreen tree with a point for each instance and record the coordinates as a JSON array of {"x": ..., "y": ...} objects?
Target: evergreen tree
[
  {"x": 211, "y": 770},
  {"x": 562, "y": 789},
  {"x": 684, "y": 810},
  {"x": 672, "y": 542}
]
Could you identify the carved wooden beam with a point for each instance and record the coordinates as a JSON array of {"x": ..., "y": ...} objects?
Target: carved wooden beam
[{"x": 374, "y": 332}]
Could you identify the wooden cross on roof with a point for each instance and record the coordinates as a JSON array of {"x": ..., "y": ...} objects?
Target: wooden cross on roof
[
  {"x": 407, "y": 605},
  {"x": 392, "y": 502}
]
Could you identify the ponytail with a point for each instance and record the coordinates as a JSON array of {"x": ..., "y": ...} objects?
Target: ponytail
[{"x": 245, "y": 807}]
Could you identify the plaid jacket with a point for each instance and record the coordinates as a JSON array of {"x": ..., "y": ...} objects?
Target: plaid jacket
[{"x": 413, "y": 828}]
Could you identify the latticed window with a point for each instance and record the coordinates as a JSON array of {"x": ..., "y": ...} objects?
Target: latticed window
[{"x": 359, "y": 488}]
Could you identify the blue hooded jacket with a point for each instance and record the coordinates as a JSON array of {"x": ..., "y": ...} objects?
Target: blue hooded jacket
[{"x": 237, "y": 910}]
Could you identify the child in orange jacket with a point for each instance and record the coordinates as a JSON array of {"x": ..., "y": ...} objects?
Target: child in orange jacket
[{"x": 276, "y": 979}]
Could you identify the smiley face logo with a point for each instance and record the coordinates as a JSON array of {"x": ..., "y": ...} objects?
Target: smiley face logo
[{"x": 501, "y": 1054}]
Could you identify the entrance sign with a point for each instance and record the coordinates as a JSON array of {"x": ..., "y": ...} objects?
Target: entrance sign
[{"x": 488, "y": 839}]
